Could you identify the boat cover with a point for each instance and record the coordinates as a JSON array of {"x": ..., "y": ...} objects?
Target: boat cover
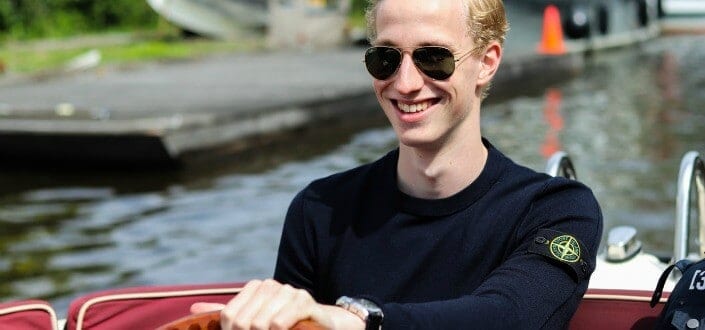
[
  {"x": 143, "y": 307},
  {"x": 27, "y": 314}
]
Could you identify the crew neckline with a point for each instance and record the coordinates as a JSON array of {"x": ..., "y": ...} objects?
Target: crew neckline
[{"x": 459, "y": 201}]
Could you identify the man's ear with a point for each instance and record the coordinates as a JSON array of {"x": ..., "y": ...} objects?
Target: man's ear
[{"x": 489, "y": 62}]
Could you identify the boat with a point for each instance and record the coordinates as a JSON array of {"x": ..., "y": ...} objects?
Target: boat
[
  {"x": 288, "y": 23},
  {"x": 620, "y": 289},
  {"x": 222, "y": 19}
]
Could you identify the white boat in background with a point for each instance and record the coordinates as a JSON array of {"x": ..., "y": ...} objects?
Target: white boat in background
[
  {"x": 683, "y": 7},
  {"x": 287, "y": 23},
  {"x": 222, "y": 19}
]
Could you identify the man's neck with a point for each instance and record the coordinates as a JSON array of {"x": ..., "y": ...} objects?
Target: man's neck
[{"x": 435, "y": 174}]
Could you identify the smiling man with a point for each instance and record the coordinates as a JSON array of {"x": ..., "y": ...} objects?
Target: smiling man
[{"x": 445, "y": 231}]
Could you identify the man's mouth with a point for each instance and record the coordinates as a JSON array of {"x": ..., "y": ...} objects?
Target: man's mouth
[{"x": 414, "y": 107}]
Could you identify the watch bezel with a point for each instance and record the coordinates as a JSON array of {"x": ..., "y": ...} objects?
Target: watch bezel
[{"x": 365, "y": 309}]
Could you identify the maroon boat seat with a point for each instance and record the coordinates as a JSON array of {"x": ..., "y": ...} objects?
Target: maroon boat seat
[
  {"x": 152, "y": 306},
  {"x": 143, "y": 307},
  {"x": 27, "y": 314},
  {"x": 616, "y": 309}
]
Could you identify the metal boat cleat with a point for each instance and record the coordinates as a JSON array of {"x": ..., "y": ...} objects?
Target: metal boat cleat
[{"x": 622, "y": 244}]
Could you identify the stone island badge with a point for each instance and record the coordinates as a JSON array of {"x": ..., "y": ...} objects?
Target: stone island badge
[{"x": 565, "y": 249}]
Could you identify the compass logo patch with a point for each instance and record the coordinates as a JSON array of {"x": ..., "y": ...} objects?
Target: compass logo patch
[{"x": 565, "y": 248}]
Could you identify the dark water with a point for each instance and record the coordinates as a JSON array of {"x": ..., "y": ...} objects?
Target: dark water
[{"x": 626, "y": 121}]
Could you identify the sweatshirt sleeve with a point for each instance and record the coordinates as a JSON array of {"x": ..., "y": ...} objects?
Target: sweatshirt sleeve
[
  {"x": 296, "y": 256},
  {"x": 533, "y": 288}
]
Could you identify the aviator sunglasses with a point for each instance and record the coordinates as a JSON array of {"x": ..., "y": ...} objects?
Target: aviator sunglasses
[{"x": 434, "y": 61}]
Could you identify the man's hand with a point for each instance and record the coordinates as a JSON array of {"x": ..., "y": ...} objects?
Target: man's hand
[{"x": 269, "y": 304}]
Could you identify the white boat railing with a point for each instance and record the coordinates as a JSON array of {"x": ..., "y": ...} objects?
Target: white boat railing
[
  {"x": 692, "y": 170},
  {"x": 623, "y": 264},
  {"x": 691, "y": 180},
  {"x": 560, "y": 165}
]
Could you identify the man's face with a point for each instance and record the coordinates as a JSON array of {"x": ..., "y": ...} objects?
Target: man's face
[{"x": 424, "y": 112}]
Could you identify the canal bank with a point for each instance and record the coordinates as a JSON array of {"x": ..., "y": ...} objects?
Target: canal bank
[{"x": 160, "y": 114}]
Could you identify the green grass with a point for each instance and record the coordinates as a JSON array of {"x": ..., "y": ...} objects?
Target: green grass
[
  {"x": 36, "y": 57},
  {"x": 169, "y": 50}
]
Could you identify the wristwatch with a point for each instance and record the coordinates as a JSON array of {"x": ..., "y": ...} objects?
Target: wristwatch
[{"x": 368, "y": 311}]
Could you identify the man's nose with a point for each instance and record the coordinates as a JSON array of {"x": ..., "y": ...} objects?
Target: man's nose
[{"x": 409, "y": 79}]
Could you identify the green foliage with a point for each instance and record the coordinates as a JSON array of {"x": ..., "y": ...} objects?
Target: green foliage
[
  {"x": 357, "y": 13},
  {"x": 30, "y": 19},
  {"x": 25, "y": 19},
  {"x": 358, "y": 6},
  {"x": 5, "y": 15}
]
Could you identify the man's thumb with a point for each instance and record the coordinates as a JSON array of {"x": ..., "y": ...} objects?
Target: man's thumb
[{"x": 202, "y": 307}]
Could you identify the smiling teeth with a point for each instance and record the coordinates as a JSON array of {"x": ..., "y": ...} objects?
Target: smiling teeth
[{"x": 411, "y": 108}]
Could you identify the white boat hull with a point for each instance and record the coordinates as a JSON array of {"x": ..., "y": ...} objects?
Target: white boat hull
[
  {"x": 222, "y": 19},
  {"x": 683, "y": 7},
  {"x": 639, "y": 273}
]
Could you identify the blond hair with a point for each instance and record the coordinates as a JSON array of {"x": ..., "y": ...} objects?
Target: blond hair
[{"x": 486, "y": 20}]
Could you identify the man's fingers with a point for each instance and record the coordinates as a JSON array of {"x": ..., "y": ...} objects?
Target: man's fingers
[
  {"x": 267, "y": 304},
  {"x": 242, "y": 316},
  {"x": 268, "y": 314},
  {"x": 298, "y": 305},
  {"x": 241, "y": 299}
]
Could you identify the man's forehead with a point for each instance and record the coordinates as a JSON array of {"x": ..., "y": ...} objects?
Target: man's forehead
[
  {"x": 437, "y": 12},
  {"x": 428, "y": 22},
  {"x": 421, "y": 8}
]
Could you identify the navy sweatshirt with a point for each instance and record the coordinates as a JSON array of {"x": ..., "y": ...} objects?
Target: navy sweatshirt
[{"x": 513, "y": 250}]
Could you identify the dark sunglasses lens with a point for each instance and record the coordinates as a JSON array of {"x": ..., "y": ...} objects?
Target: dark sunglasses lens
[
  {"x": 435, "y": 62},
  {"x": 382, "y": 62}
]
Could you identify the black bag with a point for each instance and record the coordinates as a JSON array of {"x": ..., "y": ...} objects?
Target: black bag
[{"x": 685, "y": 308}]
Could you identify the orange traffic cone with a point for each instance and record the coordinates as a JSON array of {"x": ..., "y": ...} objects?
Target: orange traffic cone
[{"x": 552, "y": 36}]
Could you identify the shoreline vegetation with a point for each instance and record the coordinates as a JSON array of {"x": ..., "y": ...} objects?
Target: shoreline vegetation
[
  {"x": 42, "y": 37},
  {"x": 46, "y": 56}
]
